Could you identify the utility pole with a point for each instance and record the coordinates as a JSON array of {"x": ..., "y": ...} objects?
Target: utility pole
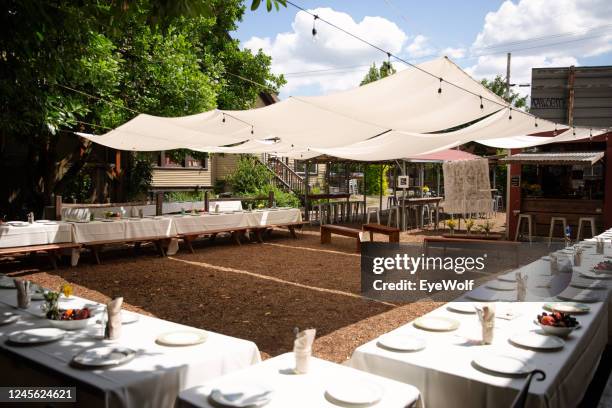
[{"x": 507, "y": 97}]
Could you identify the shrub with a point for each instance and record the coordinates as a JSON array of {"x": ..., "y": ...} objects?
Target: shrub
[{"x": 249, "y": 176}]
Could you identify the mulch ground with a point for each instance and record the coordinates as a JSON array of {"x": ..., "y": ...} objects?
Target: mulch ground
[{"x": 258, "y": 292}]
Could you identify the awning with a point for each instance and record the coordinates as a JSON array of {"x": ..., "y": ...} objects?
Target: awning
[
  {"x": 443, "y": 156},
  {"x": 555, "y": 158}
]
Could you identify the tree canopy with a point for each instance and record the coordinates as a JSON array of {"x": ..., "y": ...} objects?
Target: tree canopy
[
  {"x": 498, "y": 86},
  {"x": 92, "y": 65}
]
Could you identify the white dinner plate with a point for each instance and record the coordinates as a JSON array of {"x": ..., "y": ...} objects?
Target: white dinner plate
[
  {"x": 436, "y": 323},
  {"x": 43, "y": 221},
  {"x": 567, "y": 307},
  {"x": 501, "y": 364},
  {"x": 36, "y": 336},
  {"x": 7, "y": 283},
  {"x": 462, "y": 307},
  {"x": 103, "y": 356},
  {"x": 351, "y": 391},
  {"x": 596, "y": 275},
  {"x": 587, "y": 297},
  {"x": 534, "y": 340},
  {"x": 181, "y": 338},
  {"x": 508, "y": 277},
  {"x": 8, "y": 317},
  {"x": 241, "y": 395},
  {"x": 588, "y": 284},
  {"x": 499, "y": 285},
  {"x": 18, "y": 223},
  {"x": 401, "y": 342}
]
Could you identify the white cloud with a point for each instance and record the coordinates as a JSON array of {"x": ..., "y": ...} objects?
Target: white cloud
[
  {"x": 295, "y": 51},
  {"x": 452, "y": 52},
  {"x": 419, "y": 47},
  {"x": 540, "y": 33}
]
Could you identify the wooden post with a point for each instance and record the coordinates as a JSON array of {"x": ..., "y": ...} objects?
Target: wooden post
[
  {"x": 347, "y": 173},
  {"x": 270, "y": 199},
  {"x": 365, "y": 191},
  {"x": 438, "y": 192},
  {"x": 307, "y": 192},
  {"x": 58, "y": 207},
  {"x": 206, "y": 202},
  {"x": 159, "y": 203},
  {"x": 513, "y": 196},
  {"x": 382, "y": 168}
]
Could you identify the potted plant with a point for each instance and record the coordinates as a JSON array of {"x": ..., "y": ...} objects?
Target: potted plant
[
  {"x": 469, "y": 224},
  {"x": 486, "y": 227},
  {"x": 451, "y": 224}
]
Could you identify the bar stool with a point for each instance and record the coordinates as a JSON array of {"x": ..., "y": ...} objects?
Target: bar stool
[
  {"x": 394, "y": 210},
  {"x": 499, "y": 203},
  {"x": 562, "y": 220},
  {"x": 425, "y": 214},
  {"x": 391, "y": 201},
  {"x": 372, "y": 210},
  {"x": 526, "y": 217},
  {"x": 590, "y": 220}
]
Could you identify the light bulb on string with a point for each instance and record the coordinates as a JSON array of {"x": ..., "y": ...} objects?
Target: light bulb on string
[
  {"x": 574, "y": 131},
  {"x": 440, "y": 86},
  {"x": 510, "y": 115},
  {"x": 590, "y": 134},
  {"x": 252, "y": 132},
  {"x": 535, "y": 122},
  {"x": 555, "y": 132},
  {"x": 314, "y": 28},
  {"x": 481, "y": 104},
  {"x": 223, "y": 120}
]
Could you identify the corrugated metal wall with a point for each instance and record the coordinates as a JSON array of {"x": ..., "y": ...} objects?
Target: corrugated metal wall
[{"x": 181, "y": 178}]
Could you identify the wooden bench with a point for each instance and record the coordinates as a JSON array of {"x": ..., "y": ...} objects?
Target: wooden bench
[
  {"x": 159, "y": 242},
  {"x": 392, "y": 232},
  {"x": 291, "y": 226},
  {"x": 328, "y": 229},
  {"x": 52, "y": 250}
]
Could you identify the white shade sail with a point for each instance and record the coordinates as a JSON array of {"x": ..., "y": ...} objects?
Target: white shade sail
[{"x": 399, "y": 116}]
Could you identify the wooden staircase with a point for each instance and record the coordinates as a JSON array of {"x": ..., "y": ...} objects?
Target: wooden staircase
[{"x": 283, "y": 175}]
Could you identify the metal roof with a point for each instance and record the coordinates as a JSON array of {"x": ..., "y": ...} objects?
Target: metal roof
[{"x": 555, "y": 158}]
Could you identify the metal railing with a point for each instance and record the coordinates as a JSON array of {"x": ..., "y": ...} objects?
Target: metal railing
[{"x": 283, "y": 175}]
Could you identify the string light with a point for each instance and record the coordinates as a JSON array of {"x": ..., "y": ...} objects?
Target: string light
[
  {"x": 536, "y": 121},
  {"x": 314, "y": 28},
  {"x": 555, "y": 132},
  {"x": 510, "y": 115},
  {"x": 481, "y": 105},
  {"x": 223, "y": 120},
  {"x": 591, "y": 134},
  {"x": 574, "y": 131},
  {"x": 440, "y": 86},
  {"x": 252, "y": 132}
]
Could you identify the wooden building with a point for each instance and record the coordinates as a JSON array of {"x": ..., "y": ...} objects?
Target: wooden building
[{"x": 574, "y": 179}]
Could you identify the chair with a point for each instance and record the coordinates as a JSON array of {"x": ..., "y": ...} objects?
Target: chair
[
  {"x": 425, "y": 214},
  {"x": 372, "y": 210},
  {"x": 528, "y": 218},
  {"x": 394, "y": 210},
  {"x": 590, "y": 220},
  {"x": 499, "y": 203},
  {"x": 553, "y": 220}
]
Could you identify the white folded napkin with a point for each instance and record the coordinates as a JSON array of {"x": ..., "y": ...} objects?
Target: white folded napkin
[
  {"x": 303, "y": 341},
  {"x": 113, "y": 323}
]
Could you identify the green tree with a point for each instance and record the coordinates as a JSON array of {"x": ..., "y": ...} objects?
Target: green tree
[
  {"x": 374, "y": 74},
  {"x": 90, "y": 66},
  {"x": 498, "y": 86}
]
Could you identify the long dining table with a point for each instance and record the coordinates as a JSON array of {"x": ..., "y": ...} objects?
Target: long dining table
[
  {"x": 446, "y": 372},
  {"x": 153, "y": 378}
]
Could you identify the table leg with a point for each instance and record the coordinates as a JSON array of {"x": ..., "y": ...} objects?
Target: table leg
[
  {"x": 95, "y": 250},
  {"x": 75, "y": 254},
  {"x": 292, "y": 231},
  {"x": 52, "y": 258},
  {"x": 187, "y": 240}
]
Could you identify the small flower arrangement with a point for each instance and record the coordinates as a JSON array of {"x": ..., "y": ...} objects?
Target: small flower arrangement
[
  {"x": 486, "y": 227},
  {"x": 66, "y": 290},
  {"x": 451, "y": 224},
  {"x": 425, "y": 189},
  {"x": 469, "y": 224},
  {"x": 51, "y": 305}
]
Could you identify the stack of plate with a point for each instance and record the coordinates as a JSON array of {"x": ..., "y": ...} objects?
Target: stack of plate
[
  {"x": 567, "y": 307},
  {"x": 462, "y": 307}
]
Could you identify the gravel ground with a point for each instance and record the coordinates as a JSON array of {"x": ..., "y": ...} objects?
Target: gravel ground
[{"x": 256, "y": 292}]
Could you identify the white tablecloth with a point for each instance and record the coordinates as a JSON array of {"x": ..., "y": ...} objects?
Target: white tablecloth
[
  {"x": 444, "y": 374},
  {"x": 125, "y": 229},
  {"x": 152, "y": 379},
  {"x": 187, "y": 224},
  {"x": 301, "y": 391},
  {"x": 35, "y": 234}
]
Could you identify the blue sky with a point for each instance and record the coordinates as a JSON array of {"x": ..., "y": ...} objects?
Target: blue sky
[{"x": 476, "y": 34}]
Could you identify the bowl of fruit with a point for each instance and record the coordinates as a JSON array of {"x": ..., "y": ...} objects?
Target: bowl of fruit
[
  {"x": 557, "y": 323},
  {"x": 70, "y": 319},
  {"x": 112, "y": 215},
  {"x": 605, "y": 266}
]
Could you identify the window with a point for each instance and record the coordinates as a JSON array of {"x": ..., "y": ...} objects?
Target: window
[
  {"x": 299, "y": 167},
  {"x": 188, "y": 163}
]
